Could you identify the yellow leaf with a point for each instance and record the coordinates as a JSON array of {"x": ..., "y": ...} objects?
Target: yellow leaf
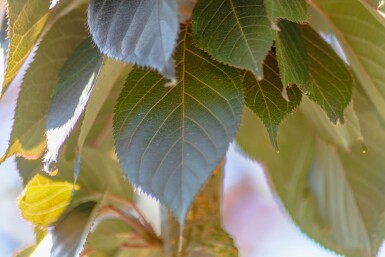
[{"x": 44, "y": 200}]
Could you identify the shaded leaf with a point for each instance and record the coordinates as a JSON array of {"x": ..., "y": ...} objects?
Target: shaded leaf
[
  {"x": 203, "y": 232},
  {"x": 70, "y": 97},
  {"x": 238, "y": 33},
  {"x": 70, "y": 233},
  {"x": 294, "y": 10},
  {"x": 292, "y": 55},
  {"x": 265, "y": 98},
  {"x": 330, "y": 80},
  {"x": 114, "y": 27},
  {"x": 333, "y": 190},
  {"x": 27, "y": 138},
  {"x": 44, "y": 200},
  {"x": 362, "y": 38},
  {"x": 27, "y": 19},
  {"x": 169, "y": 140}
]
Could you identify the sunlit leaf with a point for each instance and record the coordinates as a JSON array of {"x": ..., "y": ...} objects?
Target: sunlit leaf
[
  {"x": 70, "y": 97},
  {"x": 265, "y": 98},
  {"x": 44, "y": 200},
  {"x": 27, "y": 19},
  {"x": 238, "y": 33},
  {"x": 169, "y": 140},
  {"x": 27, "y": 138},
  {"x": 294, "y": 10},
  {"x": 142, "y": 32}
]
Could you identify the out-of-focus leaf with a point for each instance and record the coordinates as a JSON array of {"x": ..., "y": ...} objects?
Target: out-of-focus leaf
[
  {"x": 330, "y": 81},
  {"x": 185, "y": 9},
  {"x": 70, "y": 233},
  {"x": 25, "y": 252},
  {"x": 332, "y": 189},
  {"x": 70, "y": 97},
  {"x": 27, "y": 138},
  {"x": 362, "y": 38},
  {"x": 203, "y": 233},
  {"x": 27, "y": 19},
  {"x": 169, "y": 140},
  {"x": 292, "y": 55},
  {"x": 265, "y": 99},
  {"x": 44, "y": 200},
  {"x": 142, "y": 32},
  {"x": 238, "y": 33},
  {"x": 4, "y": 44},
  {"x": 294, "y": 10}
]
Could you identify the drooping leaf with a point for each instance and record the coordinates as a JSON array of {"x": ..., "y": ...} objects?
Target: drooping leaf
[
  {"x": 203, "y": 233},
  {"x": 362, "y": 38},
  {"x": 332, "y": 189},
  {"x": 27, "y": 138},
  {"x": 292, "y": 54},
  {"x": 70, "y": 233},
  {"x": 237, "y": 33},
  {"x": 27, "y": 19},
  {"x": 330, "y": 81},
  {"x": 70, "y": 97},
  {"x": 44, "y": 200},
  {"x": 143, "y": 32},
  {"x": 169, "y": 140},
  {"x": 294, "y": 10},
  {"x": 265, "y": 98}
]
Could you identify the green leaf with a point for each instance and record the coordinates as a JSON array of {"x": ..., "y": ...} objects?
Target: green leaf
[
  {"x": 362, "y": 38},
  {"x": 169, "y": 140},
  {"x": 265, "y": 98},
  {"x": 332, "y": 189},
  {"x": 70, "y": 97},
  {"x": 26, "y": 252},
  {"x": 330, "y": 80},
  {"x": 44, "y": 200},
  {"x": 114, "y": 28},
  {"x": 292, "y": 54},
  {"x": 27, "y": 138},
  {"x": 27, "y": 19},
  {"x": 294, "y": 10},
  {"x": 238, "y": 33},
  {"x": 70, "y": 233}
]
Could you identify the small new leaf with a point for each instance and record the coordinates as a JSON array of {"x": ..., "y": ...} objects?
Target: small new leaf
[
  {"x": 237, "y": 33},
  {"x": 143, "y": 32},
  {"x": 169, "y": 140},
  {"x": 44, "y": 200},
  {"x": 265, "y": 98}
]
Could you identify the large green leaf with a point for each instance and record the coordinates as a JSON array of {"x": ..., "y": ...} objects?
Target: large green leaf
[
  {"x": 333, "y": 189},
  {"x": 27, "y": 19},
  {"x": 362, "y": 37},
  {"x": 142, "y": 32},
  {"x": 265, "y": 98},
  {"x": 238, "y": 33},
  {"x": 70, "y": 233},
  {"x": 292, "y": 54},
  {"x": 294, "y": 10},
  {"x": 70, "y": 97},
  {"x": 27, "y": 138},
  {"x": 169, "y": 140},
  {"x": 330, "y": 81}
]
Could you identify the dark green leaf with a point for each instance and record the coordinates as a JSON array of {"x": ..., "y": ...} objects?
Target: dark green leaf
[
  {"x": 27, "y": 138},
  {"x": 238, "y": 33},
  {"x": 27, "y": 19},
  {"x": 142, "y": 32},
  {"x": 330, "y": 80},
  {"x": 265, "y": 98},
  {"x": 70, "y": 233},
  {"x": 294, "y": 10},
  {"x": 292, "y": 55},
  {"x": 70, "y": 97},
  {"x": 169, "y": 140}
]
